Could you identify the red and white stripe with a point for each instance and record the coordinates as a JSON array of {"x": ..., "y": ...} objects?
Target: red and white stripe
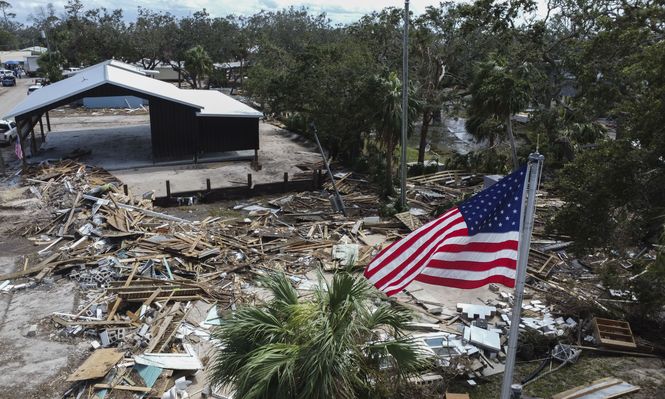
[{"x": 442, "y": 253}]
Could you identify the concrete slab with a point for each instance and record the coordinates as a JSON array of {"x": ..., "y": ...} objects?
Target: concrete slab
[
  {"x": 280, "y": 151},
  {"x": 483, "y": 338},
  {"x": 472, "y": 311},
  {"x": 447, "y": 296},
  {"x": 119, "y": 147}
]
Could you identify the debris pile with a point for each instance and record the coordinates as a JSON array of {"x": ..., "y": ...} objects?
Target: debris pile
[{"x": 154, "y": 284}]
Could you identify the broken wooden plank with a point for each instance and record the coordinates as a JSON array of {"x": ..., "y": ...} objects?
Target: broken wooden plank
[
  {"x": 614, "y": 333},
  {"x": 123, "y": 388},
  {"x": 97, "y": 364},
  {"x": 63, "y": 229},
  {"x": 410, "y": 221},
  {"x": 606, "y": 388}
]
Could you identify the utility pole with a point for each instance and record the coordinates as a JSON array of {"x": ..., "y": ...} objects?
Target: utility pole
[
  {"x": 48, "y": 46},
  {"x": 405, "y": 104}
]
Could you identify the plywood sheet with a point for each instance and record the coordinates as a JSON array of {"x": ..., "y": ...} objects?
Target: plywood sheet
[
  {"x": 606, "y": 388},
  {"x": 97, "y": 365}
]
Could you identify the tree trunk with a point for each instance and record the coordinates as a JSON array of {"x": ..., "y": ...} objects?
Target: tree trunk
[
  {"x": 424, "y": 129},
  {"x": 390, "y": 147},
  {"x": 179, "y": 75},
  {"x": 511, "y": 137},
  {"x": 242, "y": 61}
]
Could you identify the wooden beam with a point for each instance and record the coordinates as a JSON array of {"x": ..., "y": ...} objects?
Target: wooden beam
[
  {"x": 123, "y": 388},
  {"x": 33, "y": 142},
  {"x": 63, "y": 229}
]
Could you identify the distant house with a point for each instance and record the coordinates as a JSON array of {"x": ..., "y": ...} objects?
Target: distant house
[
  {"x": 165, "y": 72},
  {"x": 35, "y": 50},
  {"x": 234, "y": 71}
]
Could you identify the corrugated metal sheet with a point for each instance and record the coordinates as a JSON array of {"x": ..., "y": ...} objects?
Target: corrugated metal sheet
[
  {"x": 173, "y": 129},
  {"x": 220, "y": 134},
  {"x": 208, "y": 102}
]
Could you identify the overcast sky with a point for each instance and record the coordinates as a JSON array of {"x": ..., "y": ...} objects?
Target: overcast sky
[{"x": 339, "y": 11}]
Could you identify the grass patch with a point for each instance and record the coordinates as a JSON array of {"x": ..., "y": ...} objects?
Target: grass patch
[
  {"x": 412, "y": 154},
  {"x": 587, "y": 369}
]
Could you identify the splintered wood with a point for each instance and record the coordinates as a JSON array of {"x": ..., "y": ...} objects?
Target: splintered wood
[{"x": 146, "y": 272}]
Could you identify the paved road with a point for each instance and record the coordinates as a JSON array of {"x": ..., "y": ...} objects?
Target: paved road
[{"x": 10, "y": 96}]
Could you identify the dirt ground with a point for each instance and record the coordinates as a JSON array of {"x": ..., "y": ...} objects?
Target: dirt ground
[{"x": 30, "y": 367}]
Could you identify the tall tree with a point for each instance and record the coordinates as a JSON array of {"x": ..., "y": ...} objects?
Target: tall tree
[
  {"x": 198, "y": 65},
  {"x": 151, "y": 35},
  {"x": 620, "y": 77},
  {"x": 498, "y": 92},
  {"x": 388, "y": 120},
  {"x": 50, "y": 65}
]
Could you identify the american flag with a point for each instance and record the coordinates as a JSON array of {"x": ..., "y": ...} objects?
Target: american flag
[{"x": 469, "y": 246}]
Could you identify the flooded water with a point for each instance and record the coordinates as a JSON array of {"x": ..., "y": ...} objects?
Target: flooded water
[{"x": 449, "y": 136}]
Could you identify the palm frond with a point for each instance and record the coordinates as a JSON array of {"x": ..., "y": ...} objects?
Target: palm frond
[{"x": 281, "y": 288}]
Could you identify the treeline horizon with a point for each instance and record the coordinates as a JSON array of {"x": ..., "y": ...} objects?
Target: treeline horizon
[{"x": 582, "y": 70}]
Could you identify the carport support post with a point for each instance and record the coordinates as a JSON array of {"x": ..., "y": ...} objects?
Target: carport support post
[
  {"x": 41, "y": 129},
  {"x": 48, "y": 122},
  {"x": 33, "y": 142},
  {"x": 21, "y": 142}
]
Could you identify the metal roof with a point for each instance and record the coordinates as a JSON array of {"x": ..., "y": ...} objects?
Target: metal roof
[
  {"x": 220, "y": 104},
  {"x": 209, "y": 103}
]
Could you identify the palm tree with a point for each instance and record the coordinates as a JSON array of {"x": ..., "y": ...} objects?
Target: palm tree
[
  {"x": 332, "y": 346},
  {"x": 497, "y": 94},
  {"x": 388, "y": 93},
  {"x": 198, "y": 65}
]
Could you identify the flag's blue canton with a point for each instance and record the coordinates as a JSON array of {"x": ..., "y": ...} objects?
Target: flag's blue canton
[{"x": 496, "y": 209}]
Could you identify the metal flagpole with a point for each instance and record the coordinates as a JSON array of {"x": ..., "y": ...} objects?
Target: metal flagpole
[
  {"x": 405, "y": 105},
  {"x": 532, "y": 177}
]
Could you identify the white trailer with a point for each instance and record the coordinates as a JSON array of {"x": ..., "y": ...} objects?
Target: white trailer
[{"x": 30, "y": 65}]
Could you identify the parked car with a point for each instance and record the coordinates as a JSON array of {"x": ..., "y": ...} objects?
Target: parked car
[
  {"x": 7, "y": 131},
  {"x": 33, "y": 88},
  {"x": 8, "y": 80},
  {"x": 5, "y": 72}
]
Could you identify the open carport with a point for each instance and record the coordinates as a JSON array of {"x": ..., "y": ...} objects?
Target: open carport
[{"x": 184, "y": 124}]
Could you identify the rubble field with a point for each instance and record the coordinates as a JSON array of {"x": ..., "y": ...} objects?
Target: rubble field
[{"x": 103, "y": 294}]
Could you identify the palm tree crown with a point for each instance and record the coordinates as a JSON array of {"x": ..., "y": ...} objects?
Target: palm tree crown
[{"x": 335, "y": 345}]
